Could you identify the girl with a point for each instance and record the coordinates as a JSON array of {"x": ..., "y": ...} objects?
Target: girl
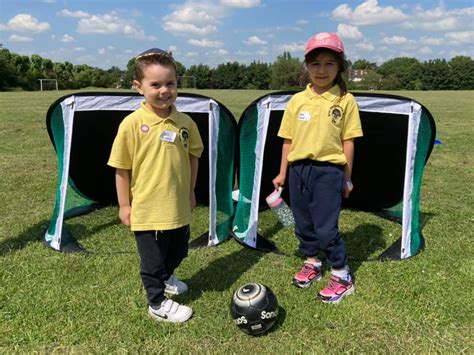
[{"x": 319, "y": 126}]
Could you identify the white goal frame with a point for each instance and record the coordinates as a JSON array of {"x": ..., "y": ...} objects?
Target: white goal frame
[
  {"x": 53, "y": 80},
  {"x": 186, "y": 77}
]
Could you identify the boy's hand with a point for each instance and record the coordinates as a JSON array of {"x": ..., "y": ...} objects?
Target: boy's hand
[
  {"x": 193, "y": 201},
  {"x": 124, "y": 214},
  {"x": 348, "y": 187}
]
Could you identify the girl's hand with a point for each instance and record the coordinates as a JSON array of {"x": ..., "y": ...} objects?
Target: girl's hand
[
  {"x": 348, "y": 187},
  {"x": 193, "y": 200},
  {"x": 278, "y": 181},
  {"x": 124, "y": 214}
]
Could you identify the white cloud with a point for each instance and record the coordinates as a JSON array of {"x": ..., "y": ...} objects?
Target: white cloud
[
  {"x": 79, "y": 49},
  {"x": 15, "y": 38},
  {"x": 111, "y": 24},
  {"x": 430, "y": 41},
  {"x": 396, "y": 40},
  {"x": 205, "y": 43},
  {"x": 463, "y": 37},
  {"x": 194, "y": 19},
  {"x": 74, "y": 14},
  {"x": 291, "y": 47},
  {"x": 254, "y": 40},
  {"x": 189, "y": 28},
  {"x": 425, "y": 50},
  {"x": 302, "y": 22},
  {"x": 440, "y": 19},
  {"x": 241, "y": 3},
  {"x": 191, "y": 54},
  {"x": 366, "y": 46},
  {"x": 25, "y": 23},
  {"x": 101, "y": 51},
  {"x": 368, "y": 13},
  {"x": 221, "y": 52},
  {"x": 67, "y": 38},
  {"x": 347, "y": 31}
]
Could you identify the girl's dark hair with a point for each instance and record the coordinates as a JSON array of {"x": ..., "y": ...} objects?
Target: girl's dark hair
[
  {"x": 162, "y": 58},
  {"x": 343, "y": 65}
]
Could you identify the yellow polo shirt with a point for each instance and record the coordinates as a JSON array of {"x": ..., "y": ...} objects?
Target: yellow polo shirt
[
  {"x": 318, "y": 124},
  {"x": 157, "y": 150}
]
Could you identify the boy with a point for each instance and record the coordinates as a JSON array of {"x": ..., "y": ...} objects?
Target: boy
[{"x": 155, "y": 154}]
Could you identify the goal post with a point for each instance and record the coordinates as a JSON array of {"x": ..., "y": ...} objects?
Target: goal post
[
  {"x": 187, "y": 81},
  {"x": 48, "y": 83}
]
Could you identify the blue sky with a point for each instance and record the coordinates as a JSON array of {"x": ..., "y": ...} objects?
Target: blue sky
[{"x": 106, "y": 33}]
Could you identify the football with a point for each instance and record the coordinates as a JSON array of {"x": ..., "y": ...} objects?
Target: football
[{"x": 254, "y": 308}]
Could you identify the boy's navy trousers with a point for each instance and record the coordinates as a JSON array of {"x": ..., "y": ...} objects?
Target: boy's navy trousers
[{"x": 161, "y": 252}]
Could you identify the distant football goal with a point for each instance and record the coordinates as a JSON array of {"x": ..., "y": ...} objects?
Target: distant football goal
[
  {"x": 186, "y": 81},
  {"x": 48, "y": 84}
]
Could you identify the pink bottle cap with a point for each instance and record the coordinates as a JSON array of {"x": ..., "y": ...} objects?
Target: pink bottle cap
[{"x": 274, "y": 199}]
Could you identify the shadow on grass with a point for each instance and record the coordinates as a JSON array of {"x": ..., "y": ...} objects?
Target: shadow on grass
[
  {"x": 362, "y": 242},
  {"x": 36, "y": 233},
  {"x": 424, "y": 218},
  {"x": 221, "y": 274},
  {"x": 32, "y": 234}
]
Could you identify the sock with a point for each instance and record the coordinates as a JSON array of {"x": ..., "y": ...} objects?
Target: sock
[
  {"x": 342, "y": 273},
  {"x": 318, "y": 263}
]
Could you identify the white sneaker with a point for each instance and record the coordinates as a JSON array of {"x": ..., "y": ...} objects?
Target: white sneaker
[
  {"x": 171, "y": 311},
  {"x": 175, "y": 286}
]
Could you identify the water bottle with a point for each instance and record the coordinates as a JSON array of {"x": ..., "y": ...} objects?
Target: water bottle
[{"x": 280, "y": 208}]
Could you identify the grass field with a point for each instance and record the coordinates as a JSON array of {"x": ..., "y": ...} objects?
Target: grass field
[{"x": 55, "y": 302}]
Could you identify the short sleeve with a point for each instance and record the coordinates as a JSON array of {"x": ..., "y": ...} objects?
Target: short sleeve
[
  {"x": 352, "y": 125},
  {"x": 122, "y": 148},
  {"x": 286, "y": 126},
  {"x": 196, "y": 146}
]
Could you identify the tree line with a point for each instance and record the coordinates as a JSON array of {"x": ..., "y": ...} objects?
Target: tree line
[{"x": 20, "y": 72}]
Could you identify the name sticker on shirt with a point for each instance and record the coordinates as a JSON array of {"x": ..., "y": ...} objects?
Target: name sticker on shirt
[
  {"x": 168, "y": 136},
  {"x": 304, "y": 116}
]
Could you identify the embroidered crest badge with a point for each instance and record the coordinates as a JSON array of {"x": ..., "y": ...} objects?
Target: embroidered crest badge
[
  {"x": 184, "y": 136},
  {"x": 335, "y": 112}
]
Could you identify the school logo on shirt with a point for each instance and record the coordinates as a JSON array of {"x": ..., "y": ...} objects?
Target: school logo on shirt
[
  {"x": 335, "y": 112},
  {"x": 184, "y": 136}
]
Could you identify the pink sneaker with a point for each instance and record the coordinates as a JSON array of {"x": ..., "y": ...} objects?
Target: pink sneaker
[
  {"x": 337, "y": 289},
  {"x": 308, "y": 273}
]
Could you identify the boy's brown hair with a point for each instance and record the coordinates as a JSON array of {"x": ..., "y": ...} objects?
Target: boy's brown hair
[{"x": 150, "y": 57}]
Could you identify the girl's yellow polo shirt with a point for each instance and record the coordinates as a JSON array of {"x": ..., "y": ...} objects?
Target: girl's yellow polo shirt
[{"x": 318, "y": 124}]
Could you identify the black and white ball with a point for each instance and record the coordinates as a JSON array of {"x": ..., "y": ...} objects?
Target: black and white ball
[{"x": 254, "y": 308}]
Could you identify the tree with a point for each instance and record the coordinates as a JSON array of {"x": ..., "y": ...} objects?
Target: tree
[
  {"x": 371, "y": 81},
  {"x": 129, "y": 74},
  {"x": 115, "y": 76},
  {"x": 201, "y": 74},
  {"x": 7, "y": 70},
  {"x": 406, "y": 71},
  {"x": 36, "y": 68},
  {"x": 229, "y": 76},
  {"x": 363, "y": 64},
  {"x": 258, "y": 76},
  {"x": 286, "y": 72},
  {"x": 180, "y": 69},
  {"x": 436, "y": 75},
  {"x": 462, "y": 73}
]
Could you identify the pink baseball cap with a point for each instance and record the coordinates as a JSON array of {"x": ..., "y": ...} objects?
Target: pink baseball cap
[{"x": 324, "y": 40}]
